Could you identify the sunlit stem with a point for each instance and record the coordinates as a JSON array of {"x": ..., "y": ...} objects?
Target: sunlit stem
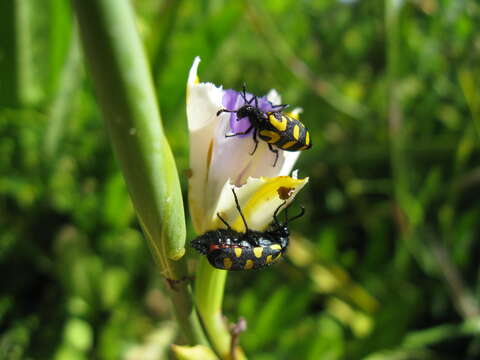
[{"x": 209, "y": 289}]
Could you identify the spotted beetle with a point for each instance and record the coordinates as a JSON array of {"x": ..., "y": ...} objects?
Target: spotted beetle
[
  {"x": 228, "y": 249},
  {"x": 274, "y": 127}
]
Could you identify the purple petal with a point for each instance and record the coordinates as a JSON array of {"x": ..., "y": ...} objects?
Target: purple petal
[{"x": 233, "y": 100}]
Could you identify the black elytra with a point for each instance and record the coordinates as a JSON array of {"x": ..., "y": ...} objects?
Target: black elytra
[
  {"x": 227, "y": 249},
  {"x": 274, "y": 127}
]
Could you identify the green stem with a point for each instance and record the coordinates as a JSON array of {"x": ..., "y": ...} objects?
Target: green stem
[
  {"x": 60, "y": 34},
  {"x": 163, "y": 35},
  {"x": 9, "y": 86},
  {"x": 17, "y": 85},
  {"x": 29, "y": 89},
  {"x": 124, "y": 87},
  {"x": 209, "y": 289},
  {"x": 395, "y": 116},
  {"x": 401, "y": 183},
  {"x": 62, "y": 104}
]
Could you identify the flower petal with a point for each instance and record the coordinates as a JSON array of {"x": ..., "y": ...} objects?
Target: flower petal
[
  {"x": 232, "y": 161},
  {"x": 258, "y": 198},
  {"x": 203, "y": 102},
  {"x": 274, "y": 97}
]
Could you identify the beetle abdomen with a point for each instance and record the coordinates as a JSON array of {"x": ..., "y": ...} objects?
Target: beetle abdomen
[
  {"x": 243, "y": 258},
  {"x": 285, "y": 132}
]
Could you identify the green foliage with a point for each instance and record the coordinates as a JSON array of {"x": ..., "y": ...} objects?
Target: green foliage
[{"x": 383, "y": 266}]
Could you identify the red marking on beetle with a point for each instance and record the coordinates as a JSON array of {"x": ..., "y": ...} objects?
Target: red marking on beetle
[{"x": 214, "y": 247}]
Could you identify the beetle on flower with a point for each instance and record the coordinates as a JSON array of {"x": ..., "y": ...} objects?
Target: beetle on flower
[
  {"x": 228, "y": 249},
  {"x": 217, "y": 162},
  {"x": 270, "y": 124}
]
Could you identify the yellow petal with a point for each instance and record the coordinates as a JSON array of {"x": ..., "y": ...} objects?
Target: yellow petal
[{"x": 258, "y": 198}]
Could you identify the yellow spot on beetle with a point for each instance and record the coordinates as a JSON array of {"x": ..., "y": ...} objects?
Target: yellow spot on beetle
[
  {"x": 280, "y": 125},
  {"x": 307, "y": 139},
  {"x": 248, "y": 265},
  {"x": 227, "y": 263},
  {"x": 268, "y": 260},
  {"x": 238, "y": 252},
  {"x": 275, "y": 247},
  {"x": 288, "y": 145},
  {"x": 296, "y": 132},
  {"x": 274, "y": 137},
  {"x": 258, "y": 251}
]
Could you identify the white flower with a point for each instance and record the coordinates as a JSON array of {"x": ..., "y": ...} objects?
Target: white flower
[{"x": 217, "y": 163}]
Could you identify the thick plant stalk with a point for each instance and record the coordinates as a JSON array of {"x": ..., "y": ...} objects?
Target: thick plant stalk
[{"x": 124, "y": 87}]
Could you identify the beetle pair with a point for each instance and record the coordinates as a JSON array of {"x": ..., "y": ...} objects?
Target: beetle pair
[
  {"x": 274, "y": 127},
  {"x": 228, "y": 249}
]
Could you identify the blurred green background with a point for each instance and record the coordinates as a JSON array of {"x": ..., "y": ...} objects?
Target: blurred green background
[{"x": 384, "y": 266}]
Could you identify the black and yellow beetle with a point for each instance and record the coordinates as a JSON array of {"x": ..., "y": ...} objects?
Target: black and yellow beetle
[
  {"x": 274, "y": 127},
  {"x": 228, "y": 249}
]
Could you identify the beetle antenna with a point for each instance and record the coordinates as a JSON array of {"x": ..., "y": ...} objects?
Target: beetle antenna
[
  {"x": 276, "y": 213},
  {"x": 244, "y": 93},
  {"x": 245, "y": 96},
  {"x": 224, "y": 221},
  {"x": 240, "y": 210},
  {"x": 302, "y": 212}
]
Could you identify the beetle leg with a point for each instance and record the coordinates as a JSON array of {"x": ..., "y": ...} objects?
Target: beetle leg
[
  {"x": 225, "y": 110},
  {"x": 255, "y": 140},
  {"x": 274, "y": 151},
  {"x": 240, "y": 133}
]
